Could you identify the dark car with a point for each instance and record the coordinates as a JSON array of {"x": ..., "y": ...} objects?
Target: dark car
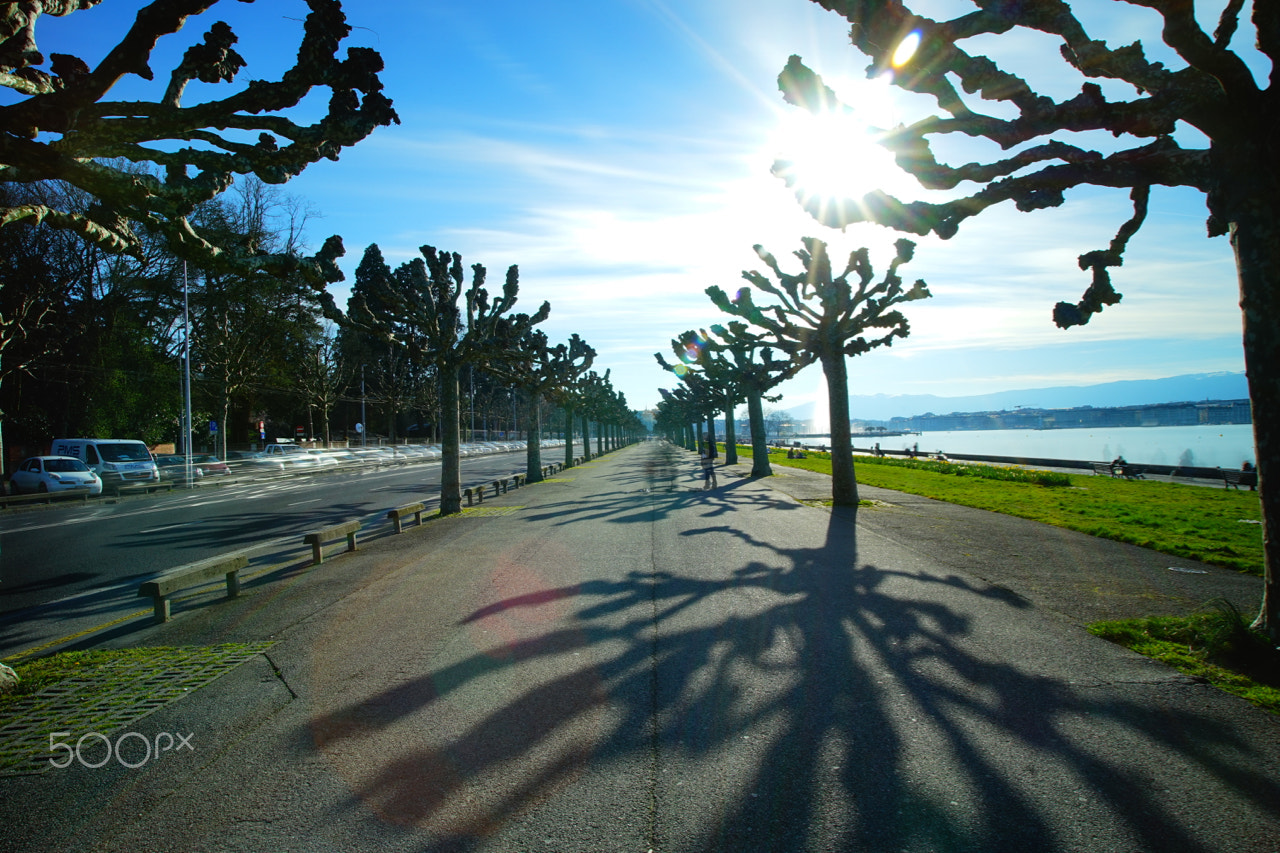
[
  {"x": 174, "y": 469},
  {"x": 211, "y": 465}
]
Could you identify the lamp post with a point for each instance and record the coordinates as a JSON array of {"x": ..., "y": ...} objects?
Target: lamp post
[
  {"x": 515, "y": 431},
  {"x": 186, "y": 376}
]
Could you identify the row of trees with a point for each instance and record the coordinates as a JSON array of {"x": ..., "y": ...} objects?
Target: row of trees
[
  {"x": 96, "y": 340},
  {"x": 813, "y": 316},
  {"x": 427, "y": 319},
  {"x": 115, "y": 217},
  {"x": 102, "y": 202}
]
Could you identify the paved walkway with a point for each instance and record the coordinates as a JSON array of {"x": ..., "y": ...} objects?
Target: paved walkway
[{"x": 620, "y": 661}]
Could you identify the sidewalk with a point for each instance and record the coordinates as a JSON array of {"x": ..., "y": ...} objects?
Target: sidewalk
[
  {"x": 1083, "y": 578},
  {"x": 606, "y": 662}
]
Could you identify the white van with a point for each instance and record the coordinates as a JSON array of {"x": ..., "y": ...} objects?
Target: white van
[{"x": 117, "y": 461}]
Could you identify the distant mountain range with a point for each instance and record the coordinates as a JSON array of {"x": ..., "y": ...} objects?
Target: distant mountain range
[{"x": 1175, "y": 389}]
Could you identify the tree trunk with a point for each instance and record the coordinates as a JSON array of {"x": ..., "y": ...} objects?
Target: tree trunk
[
  {"x": 844, "y": 486},
  {"x": 711, "y": 435},
  {"x": 568, "y": 436},
  {"x": 586, "y": 438},
  {"x": 451, "y": 463},
  {"x": 599, "y": 439},
  {"x": 226, "y": 414},
  {"x": 760, "y": 466},
  {"x": 730, "y": 432},
  {"x": 533, "y": 436},
  {"x": 1256, "y": 243}
]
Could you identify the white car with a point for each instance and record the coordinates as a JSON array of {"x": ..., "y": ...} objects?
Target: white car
[{"x": 53, "y": 474}]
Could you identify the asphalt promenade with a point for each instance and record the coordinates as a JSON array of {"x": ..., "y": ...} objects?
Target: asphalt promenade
[{"x": 618, "y": 660}]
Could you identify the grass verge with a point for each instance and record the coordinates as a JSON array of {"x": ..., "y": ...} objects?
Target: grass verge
[
  {"x": 1215, "y": 526},
  {"x": 1218, "y": 647},
  {"x": 38, "y": 673}
]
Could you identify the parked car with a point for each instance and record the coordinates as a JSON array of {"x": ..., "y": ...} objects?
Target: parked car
[
  {"x": 211, "y": 465},
  {"x": 337, "y": 456},
  {"x": 53, "y": 474},
  {"x": 324, "y": 458},
  {"x": 374, "y": 455},
  {"x": 174, "y": 469},
  {"x": 294, "y": 456},
  {"x": 253, "y": 462}
]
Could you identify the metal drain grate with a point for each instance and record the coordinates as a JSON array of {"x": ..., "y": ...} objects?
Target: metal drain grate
[
  {"x": 108, "y": 696},
  {"x": 490, "y": 510}
]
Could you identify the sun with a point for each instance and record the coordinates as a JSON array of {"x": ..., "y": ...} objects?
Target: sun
[{"x": 836, "y": 153}]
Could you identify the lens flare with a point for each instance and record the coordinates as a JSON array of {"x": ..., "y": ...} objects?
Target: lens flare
[
  {"x": 692, "y": 349},
  {"x": 906, "y": 49}
]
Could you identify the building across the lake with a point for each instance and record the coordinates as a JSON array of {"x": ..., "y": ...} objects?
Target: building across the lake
[{"x": 1216, "y": 412}]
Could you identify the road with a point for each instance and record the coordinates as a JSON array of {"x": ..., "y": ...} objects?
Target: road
[{"x": 53, "y": 552}]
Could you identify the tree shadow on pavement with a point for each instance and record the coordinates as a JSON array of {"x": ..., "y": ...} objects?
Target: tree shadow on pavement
[{"x": 799, "y": 700}]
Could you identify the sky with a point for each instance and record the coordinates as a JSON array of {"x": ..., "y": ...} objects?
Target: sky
[{"x": 619, "y": 152}]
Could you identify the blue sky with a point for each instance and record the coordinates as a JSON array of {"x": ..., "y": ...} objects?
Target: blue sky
[{"x": 619, "y": 152}]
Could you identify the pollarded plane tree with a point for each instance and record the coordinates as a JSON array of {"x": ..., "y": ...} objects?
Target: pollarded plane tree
[
  {"x": 823, "y": 317},
  {"x": 61, "y": 127},
  {"x": 712, "y": 373},
  {"x": 593, "y": 391},
  {"x": 1215, "y": 92},
  {"x": 708, "y": 394},
  {"x": 568, "y": 397},
  {"x": 544, "y": 371},
  {"x": 698, "y": 399},
  {"x": 756, "y": 370},
  {"x": 448, "y": 336},
  {"x": 680, "y": 416},
  {"x": 696, "y": 348}
]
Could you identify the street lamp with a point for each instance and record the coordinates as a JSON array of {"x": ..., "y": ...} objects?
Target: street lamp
[{"x": 515, "y": 430}]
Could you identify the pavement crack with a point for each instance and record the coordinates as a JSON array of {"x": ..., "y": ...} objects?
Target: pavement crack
[{"x": 293, "y": 694}]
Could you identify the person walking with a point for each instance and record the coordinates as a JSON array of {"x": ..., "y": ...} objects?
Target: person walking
[{"x": 708, "y": 468}]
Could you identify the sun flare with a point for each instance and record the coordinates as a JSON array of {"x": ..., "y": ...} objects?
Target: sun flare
[{"x": 835, "y": 153}]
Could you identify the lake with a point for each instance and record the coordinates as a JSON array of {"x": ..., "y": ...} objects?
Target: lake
[{"x": 1205, "y": 446}]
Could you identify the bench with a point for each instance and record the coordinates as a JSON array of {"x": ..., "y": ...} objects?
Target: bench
[
  {"x": 398, "y": 515},
  {"x": 1127, "y": 471},
  {"x": 1232, "y": 479},
  {"x": 192, "y": 574},
  {"x": 317, "y": 539}
]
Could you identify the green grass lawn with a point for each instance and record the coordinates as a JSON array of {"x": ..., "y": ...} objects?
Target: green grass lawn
[
  {"x": 1217, "y": 647},
  {"x": 1217, "y": 526}
]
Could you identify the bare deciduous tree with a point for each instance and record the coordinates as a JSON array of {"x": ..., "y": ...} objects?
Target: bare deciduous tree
[
  {"x": 446, "y": 335},
  {"x": 64, "y": 129},
  {"x": 1214, "y": 92},
  {"x": 823, "y": 317}
]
